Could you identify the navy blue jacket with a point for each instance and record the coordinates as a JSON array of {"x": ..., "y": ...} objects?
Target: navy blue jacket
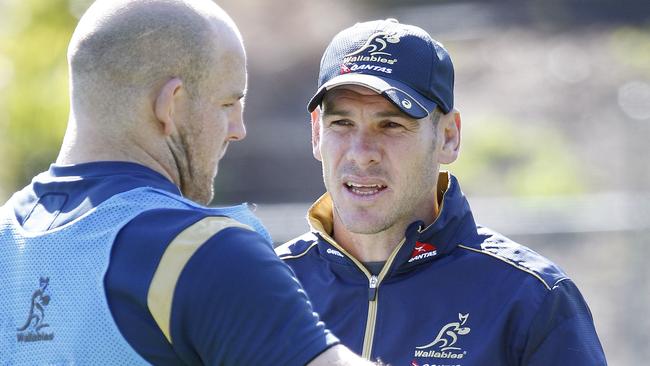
[{"x": 452, "y": 293}]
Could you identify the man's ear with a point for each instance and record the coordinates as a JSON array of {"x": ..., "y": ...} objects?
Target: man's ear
[
  {"x": 449, "y": 126},
  {"x": 165, "y": 105},
  {"x": 315, "y": 133}
]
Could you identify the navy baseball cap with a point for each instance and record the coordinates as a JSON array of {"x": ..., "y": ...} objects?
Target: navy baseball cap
[{"x": 399, "y": 61}]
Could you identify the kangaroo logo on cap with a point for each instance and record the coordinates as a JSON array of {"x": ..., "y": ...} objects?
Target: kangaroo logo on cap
[
  {"x": 376, "y": 44},
  {"x": 374, "y": 50}
]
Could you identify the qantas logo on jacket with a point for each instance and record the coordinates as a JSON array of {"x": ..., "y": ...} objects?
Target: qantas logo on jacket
[{"x": 423, "y": 250}]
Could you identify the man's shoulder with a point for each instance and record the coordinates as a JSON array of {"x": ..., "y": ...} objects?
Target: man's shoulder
[
  {"x": 169, "y": 273},
  {"x": 298, "y": 247},
  {"x": 508, "y": 255},
  {"x": 162, "y": 239},
  {"x": 169, "y": 212},
  {"x": 177, "y": 217},
  {"x": 191, "y": 225}
]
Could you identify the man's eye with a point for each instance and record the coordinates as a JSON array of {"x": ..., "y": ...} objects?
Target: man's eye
[
  {"x": 228, "y": 105},
  {"x": 390, "y": 124},
  {"x": 341, "y": 122}
]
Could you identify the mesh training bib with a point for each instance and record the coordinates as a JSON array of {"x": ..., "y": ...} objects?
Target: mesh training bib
[{"x": 53, "y": 307}]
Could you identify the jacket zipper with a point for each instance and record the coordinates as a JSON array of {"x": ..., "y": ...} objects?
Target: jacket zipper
[
  {"x": 373, "y": 289},
  {"x": 373, "y": 283}
]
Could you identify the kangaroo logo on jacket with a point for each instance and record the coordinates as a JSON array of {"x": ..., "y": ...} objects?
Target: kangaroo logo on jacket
[
  {"x": 32, "y": 330},
  {"x": 447, "y": 343}
]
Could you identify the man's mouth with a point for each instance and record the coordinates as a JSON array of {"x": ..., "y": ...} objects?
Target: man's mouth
[{"x": 364, "y": 189}]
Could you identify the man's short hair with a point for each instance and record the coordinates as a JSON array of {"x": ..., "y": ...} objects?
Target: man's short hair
[{"x": 131, "y": 46}]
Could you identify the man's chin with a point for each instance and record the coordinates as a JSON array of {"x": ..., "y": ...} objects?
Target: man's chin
[{"x": 363, "y": 224}]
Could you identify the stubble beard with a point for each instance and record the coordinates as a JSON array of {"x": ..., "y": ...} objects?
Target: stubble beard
[
  {"x": 202, "y": 193},
  {"x": 399, "y": 213},
  {"x": 381, "y": 222},
  {"x": 352, "y": 217},
  {"x": 194, "y": 183}
]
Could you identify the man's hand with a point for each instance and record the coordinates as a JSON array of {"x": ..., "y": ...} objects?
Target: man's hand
[{"x": 339, "y": 355}]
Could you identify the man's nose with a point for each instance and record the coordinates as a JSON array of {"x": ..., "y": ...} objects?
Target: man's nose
[
  {"x": 236, "y": 128},
  {"x": 364, "y": 148}
]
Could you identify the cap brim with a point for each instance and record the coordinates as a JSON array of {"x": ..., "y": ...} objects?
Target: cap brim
[{"x": 401, "y": 95}]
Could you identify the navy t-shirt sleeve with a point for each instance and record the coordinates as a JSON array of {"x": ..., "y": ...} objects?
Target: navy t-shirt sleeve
[
  {"x": 562, "y": 332},
  {"x": 237, "y": 303},
  {"x": 234, "y": 301}
]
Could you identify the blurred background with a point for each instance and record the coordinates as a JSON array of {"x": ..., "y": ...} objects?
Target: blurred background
[{"x": 555, "y": 99}]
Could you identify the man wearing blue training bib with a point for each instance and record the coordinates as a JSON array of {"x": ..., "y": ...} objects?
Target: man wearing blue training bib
[{"x": 105, "y": 258}]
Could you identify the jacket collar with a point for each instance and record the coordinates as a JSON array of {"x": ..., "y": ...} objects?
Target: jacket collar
[{"x": 420, "y": 244}]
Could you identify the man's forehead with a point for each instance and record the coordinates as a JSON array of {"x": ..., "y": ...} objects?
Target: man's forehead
[
  {"x": 335, "y": 96},
  {"x": 229, "y": 73}
]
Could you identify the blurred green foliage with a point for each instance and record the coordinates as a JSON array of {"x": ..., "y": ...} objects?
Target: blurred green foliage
[
  {"x": 34, "y": 107},
  {"x": 496, "y": 159},
  {"x": 631, "y": 47},
  {"x": 499, "y": 159}
]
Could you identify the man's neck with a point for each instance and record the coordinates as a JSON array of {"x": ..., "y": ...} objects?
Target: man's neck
[
  {"x": 68, "y": 158},
  {"x": 375, "y": 247},
  {"x": 90, "y": 146}
]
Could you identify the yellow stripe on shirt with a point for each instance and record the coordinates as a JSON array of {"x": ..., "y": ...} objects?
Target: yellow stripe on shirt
[{"x": 174, "y": 259}]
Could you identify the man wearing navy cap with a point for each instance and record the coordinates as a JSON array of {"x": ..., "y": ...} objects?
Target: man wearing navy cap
[{"x": 394, "y": 261}]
